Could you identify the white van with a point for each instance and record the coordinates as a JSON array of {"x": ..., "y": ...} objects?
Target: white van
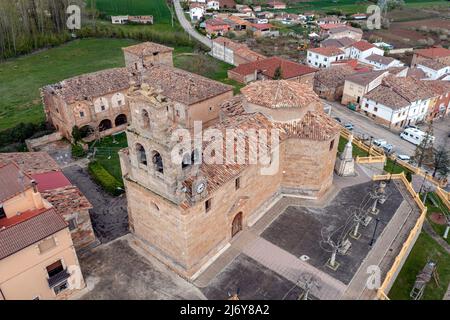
[{"x": 415, "y": 136}]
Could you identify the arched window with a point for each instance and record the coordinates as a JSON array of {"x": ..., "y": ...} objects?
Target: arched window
[
  {"x": 145, "y": 119},
  {"x": 120, "y": 120},
  {"x": 141, "y": 155},
  {"x": 157, "y": 162}
]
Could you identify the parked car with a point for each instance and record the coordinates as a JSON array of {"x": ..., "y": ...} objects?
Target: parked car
[
  {"x": 348, "y": 126},
  {"x": 379, "y": 142},
  {"x": 388, "y": 148},
  {"x": 404, "y": 157},
  {"x": 337, "y": 119}
]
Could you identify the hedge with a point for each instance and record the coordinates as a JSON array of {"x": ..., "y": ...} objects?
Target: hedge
[
  {"x": 105, "y": 179},
  {"x": 78, "y": 151}
]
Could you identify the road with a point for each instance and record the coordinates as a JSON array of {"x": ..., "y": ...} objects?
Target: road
[
  {"x": 366, "y": 127},
  {"x": 188, "y": 27}
]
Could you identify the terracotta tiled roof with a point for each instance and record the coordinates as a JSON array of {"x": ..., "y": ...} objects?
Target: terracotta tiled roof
[
  {"x": 183, "y": 86},
  {"x": 268, "y": 67},
  {"x": 227, "y": 3},
  {"x": 333, "y": 76},
  {"x": 50, "y": 180},
  {"x": 276, "y": 94},
  {"x": 216, "y": 22},
  {"x": 12, "y": 181},
  {"x": 396, "y": 70},
  {"x": 388, "y": 97},
  {"x": 432, "y": 64},
  {"x": 31, "y": 162},
  {"x": 330, "y": 26},
  {"x": 363, "y": 45},
  {"x": 416, "y": 73},
  {"x": 438, "y": 87},
  {"x": 29, "y": 231},
  {"x": 66, "y": 200},
  {"x": 262, "y": 26},
  {"x": 433, "y": 53},
  {"x": 239, "y": 49},
  {"x": 380, "y": 59},
  {"x": 90, "y": 85},
  {"x": 364, "y": 78},
  {"x": 337, "y": 43},
  {"x": 147, "y": 48},
  {"x": 329, "y": 51},
  {"x": 345, "y": 29}
]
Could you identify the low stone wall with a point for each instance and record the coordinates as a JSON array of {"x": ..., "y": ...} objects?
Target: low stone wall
[{"x": 35, "y": 143}]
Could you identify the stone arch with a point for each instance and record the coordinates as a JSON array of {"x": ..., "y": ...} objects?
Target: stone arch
[
  {"x": 105, "y": 124},
  {"x": 236, "y": 225},
  {"x": 145, "y": 119},
  {"x": 157, "y": 162},
  {"x": 141, "y": 154},
  {"x": 86, "y": 131},
  {"x": 120, "y": 120}
]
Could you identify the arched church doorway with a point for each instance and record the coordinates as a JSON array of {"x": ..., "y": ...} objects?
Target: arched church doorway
[{"x": 236, "y": 225}]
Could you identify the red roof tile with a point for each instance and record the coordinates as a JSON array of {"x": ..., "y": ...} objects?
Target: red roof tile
[
  {"x": 433, "y": 53},
  {"x": 50, "y": 180},
  {"x": 12, "y": 181},
  {"x": 29, "y": 231},
  {"x": 363, "y": 45},
  {"x": 330, "y": 51}
]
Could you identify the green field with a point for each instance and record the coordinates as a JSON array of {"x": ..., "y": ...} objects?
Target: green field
[
  {"x": 424, "y": 249},
  {"x": 21, "y": 78},
  {"x": 353, "y": 6},
  {"x": 157, "y": 8}
]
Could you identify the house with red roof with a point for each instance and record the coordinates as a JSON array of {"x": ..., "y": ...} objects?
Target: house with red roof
[
  {"x": 67, "y": 200},
  {"x": 37, "y": 256},
  {"x": 264, "y": 30},
  {"x": 277, "y": 5},
  {"x": 324, "y": 57},
  {"x": 362, "y": 49},
  {"x": 270, "y": 69},
  {"x": 435, "y": 53},
  {"x": 217, "y": 26}
]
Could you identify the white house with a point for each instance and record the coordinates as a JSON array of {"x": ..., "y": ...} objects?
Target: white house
[
  {"x": 323, "y": 57},
  {"x": 196, "y": 11},
  {"x": 379, "y": 62},
  {"x": 119, "y": 19},
  {"x": 433, "y": 69},
  {"x": 362, "y": 49},
  {"x": 213, "y": 5},
  {"x": 397, "y": 102}
]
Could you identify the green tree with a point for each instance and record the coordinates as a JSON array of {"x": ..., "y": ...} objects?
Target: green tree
[{"x": 76, "y": 134}]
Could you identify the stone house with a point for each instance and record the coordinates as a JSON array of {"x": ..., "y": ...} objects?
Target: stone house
[
  {"x": 66, "y": 199},
  {"x": 37, "y": 255},
  {"x": 185, "y": 213},
  {"x": 344, "y": 32},
  {"x": 329, "y": 83},
  {"x": 398, "y": 102},
  {"x": 434, "y": 70},
  {"x": 216, "y": 26},
  {"x": 232, "y": 52},
  {"x": 435, "y": 53},
  {"x": 266, "y": 69},
  {"x": 357, "y": 85}
]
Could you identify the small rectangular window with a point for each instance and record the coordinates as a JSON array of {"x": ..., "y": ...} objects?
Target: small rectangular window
[
  {"x": 237, "y": 183},
  {"x": 103, "y": 108},
  {"x": 72, "y": 224},
  {"x": 81, "y": 114},
  {"x": 331, "y": 145},
  {"x": 208, "y": 205},
  {"x": 2, "y": 212}
]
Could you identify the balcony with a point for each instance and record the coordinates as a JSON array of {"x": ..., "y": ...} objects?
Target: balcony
[{"x": 58, "y": 278}]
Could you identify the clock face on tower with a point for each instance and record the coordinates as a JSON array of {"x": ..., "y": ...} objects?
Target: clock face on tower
[{"x": 201, "y": 187}]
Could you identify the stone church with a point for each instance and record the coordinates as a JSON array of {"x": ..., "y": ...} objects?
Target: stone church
[{"x": 186, "y": 212}]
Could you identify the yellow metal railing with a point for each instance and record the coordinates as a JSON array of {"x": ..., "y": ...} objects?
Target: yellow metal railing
[
  {"x": 407, "y": 245},
  {"x": 376, "y": 155}
]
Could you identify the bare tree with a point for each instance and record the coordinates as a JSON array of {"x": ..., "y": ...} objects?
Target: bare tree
[{"x": 441, "y": 161}]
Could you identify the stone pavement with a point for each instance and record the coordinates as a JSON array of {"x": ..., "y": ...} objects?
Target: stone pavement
[{"x": 109, "y": 214}]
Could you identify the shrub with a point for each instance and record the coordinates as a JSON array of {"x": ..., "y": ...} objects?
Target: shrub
[
  {"x": 21, "y": 132},
  {"x": 409, "y": 176},
  {"x": 104, "y": 179},
  {"x": 78, "y": 151}
]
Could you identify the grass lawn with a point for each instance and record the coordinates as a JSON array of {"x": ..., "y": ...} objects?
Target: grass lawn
[
  {"x": 389, "y": 167},
  {"x": 157, "y": 8},
  {"x": 356, "y": 150},
  {"x": 424, "y": 249},
  {"x": 22, "y": 77},
  {"x": 438, "y": 228},
  {"x": 107, "y": 155}
]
